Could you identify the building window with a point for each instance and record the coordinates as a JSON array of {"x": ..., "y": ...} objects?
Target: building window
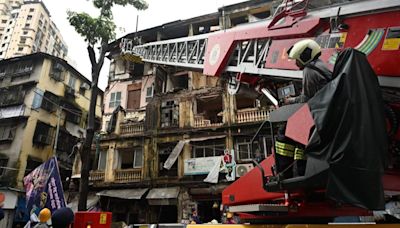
[
  {"x": 7, "y": 133},
  {"x": 101, "y": 165},
  {"x": 29, "y": 17},
  {"x": 22, "y": 40},
  {"x": 3, "y": 165},
  {"x": 131, "y": 158},
  {"x": 3, "y": 45},
  {"x": 8, "y": 30},
  {"x": 49, "y": 102},
  {"x": 209, "y": 148},
  {"x": 20, "y": 49},
  {"x": 3, "y": 21},
  {"x": 27, "y": 25},
  {"x": 73, "y": 114},
  {"x": 44, "y": 134},
  {"x": 12, "y": 96},
  {"x": 243, "y": 149},
  {"x": 31, "y": 10},
  {"x": 57, "y": 72},
  {"x": 149, "y": 92},
  {"x": 169, "y": 114},
  {"x": 260, "y": 148},
  {"x": 72, "y": 81},
  {"x": 25, "y": 33},
  {"x": 115, "y": 100},
  {"x": 6, "y": 37}
]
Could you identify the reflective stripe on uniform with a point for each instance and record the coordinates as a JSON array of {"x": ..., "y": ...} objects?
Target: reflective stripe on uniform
[
  {"x": 299, "y": 154},
  {"x": 284, "y": 149}
]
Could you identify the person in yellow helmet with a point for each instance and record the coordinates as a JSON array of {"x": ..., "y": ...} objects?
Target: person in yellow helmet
[
  {"x": 315, "y": 73},
  {"x": 44, "y": 217}
]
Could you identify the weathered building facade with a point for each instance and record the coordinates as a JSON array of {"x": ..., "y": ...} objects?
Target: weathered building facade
[
  {"x": 166, "y": 128},
  {"x": 41, "y": 97}
]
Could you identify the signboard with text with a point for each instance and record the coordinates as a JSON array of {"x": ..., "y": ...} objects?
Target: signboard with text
[
  {"x": 44, "y": 188},
  {"x": 200, "y": 166}
]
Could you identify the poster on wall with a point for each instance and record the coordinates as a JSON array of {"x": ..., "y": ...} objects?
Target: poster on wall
[{"x": 44, "y": 188}]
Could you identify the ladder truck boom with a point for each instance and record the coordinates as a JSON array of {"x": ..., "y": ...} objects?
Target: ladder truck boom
[{"x": 251, "y": 48}]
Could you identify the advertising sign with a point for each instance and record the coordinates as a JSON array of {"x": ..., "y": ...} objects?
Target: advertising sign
[{"x": 200, "y": 166}]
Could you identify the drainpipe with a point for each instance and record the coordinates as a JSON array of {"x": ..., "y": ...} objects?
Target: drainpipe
[{"x": 57, "y": 131}]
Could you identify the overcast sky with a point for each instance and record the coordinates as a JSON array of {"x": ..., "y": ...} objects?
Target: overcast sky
[{"x": 159, "y": 12}]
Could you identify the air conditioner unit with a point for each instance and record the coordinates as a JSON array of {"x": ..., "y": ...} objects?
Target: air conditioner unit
[
  {"x": 243, "y": 169},
  {"x": 84, "y": 85}
]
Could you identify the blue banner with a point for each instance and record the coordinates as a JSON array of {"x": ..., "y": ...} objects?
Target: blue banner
[{"x": 44, "y": 188}]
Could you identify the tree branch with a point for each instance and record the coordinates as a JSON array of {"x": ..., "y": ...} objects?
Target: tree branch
[
  {"x": 92, "y": 55},
  {"x": 102, "y": 55}
]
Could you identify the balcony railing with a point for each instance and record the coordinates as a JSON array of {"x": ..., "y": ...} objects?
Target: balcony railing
[
  {"x": 200, "y": 121},
  {"x": 128, "y": 175},
  {"x": 251, "y": 115},
  {"x": 96, "y": 176},
  {"x": 132, "y": 128}
]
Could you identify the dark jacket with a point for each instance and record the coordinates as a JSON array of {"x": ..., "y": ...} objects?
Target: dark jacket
[{"x": 315, "y": 76}]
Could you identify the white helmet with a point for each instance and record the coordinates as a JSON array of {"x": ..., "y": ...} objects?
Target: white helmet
[{"x": 304, "y": 51}]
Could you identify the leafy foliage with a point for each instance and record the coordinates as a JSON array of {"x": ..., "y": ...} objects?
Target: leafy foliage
[
  {"x": 94, "y": 30},
  {"x": 100, "y": 29}
]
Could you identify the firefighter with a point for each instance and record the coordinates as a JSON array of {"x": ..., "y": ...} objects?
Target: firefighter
[
  {"x": 284, "y": 153},
  {"x": 315, "y": 74},
  {"x": 300, "y": 161}
]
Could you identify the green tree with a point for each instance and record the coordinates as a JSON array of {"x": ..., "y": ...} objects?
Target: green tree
[{"x": 97, "y": 32}]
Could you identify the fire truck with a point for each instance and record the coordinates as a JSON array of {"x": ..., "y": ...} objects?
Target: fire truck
[{"x": 254, "y": 56}]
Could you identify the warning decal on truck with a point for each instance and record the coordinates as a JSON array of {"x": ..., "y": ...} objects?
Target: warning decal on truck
[{"x": 392, "y": 40}]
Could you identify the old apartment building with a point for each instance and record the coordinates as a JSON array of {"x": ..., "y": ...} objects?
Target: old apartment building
[
  {"x": 41, "y": 97},
  {"x": 26, "y": 27},
  {"x": 165, "y": 128}
]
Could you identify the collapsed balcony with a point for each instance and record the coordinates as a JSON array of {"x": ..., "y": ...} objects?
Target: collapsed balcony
[
  {"x": 133, "y": 123},
  {"x": 208, "y": 111},
  {"x": 249, "y": 110}
]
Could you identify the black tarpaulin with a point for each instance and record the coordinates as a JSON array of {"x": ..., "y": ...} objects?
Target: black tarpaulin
[{"x": 349, "y": 140}]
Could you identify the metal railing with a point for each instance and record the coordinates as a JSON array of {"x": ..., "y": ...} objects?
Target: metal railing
[{"x": 128, "y": 175}]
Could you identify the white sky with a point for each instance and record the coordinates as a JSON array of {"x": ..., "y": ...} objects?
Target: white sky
[{"x": 159, "y": 12}]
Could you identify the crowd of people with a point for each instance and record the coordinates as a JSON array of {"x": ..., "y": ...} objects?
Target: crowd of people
[
  {"x": 60, "y": 218},
  {"x": 226, "y": 218}
]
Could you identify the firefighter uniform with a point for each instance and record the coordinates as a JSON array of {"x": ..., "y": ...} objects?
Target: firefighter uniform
[
  {"x": 301, "y": 160},
  {"x": 284, "y": 156}
]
